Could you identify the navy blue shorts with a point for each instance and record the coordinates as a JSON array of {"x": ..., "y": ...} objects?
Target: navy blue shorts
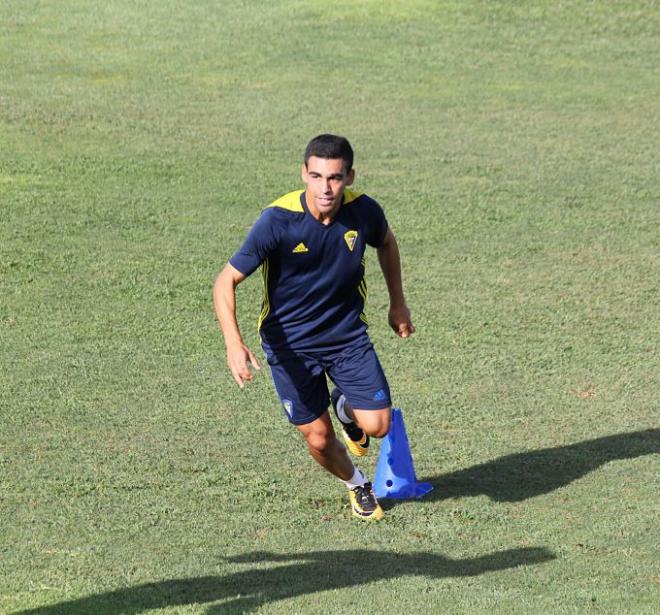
[{"x": 300, "y": 379}]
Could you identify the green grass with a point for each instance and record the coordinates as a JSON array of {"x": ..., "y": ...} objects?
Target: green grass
[{"x": 514, "y": 148}]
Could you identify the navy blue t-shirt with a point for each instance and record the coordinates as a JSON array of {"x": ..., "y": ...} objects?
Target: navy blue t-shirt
[{"x": 314, "y": 284}]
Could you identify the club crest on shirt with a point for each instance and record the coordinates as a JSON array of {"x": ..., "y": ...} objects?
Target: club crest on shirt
[{"x": 350, "y": 237}]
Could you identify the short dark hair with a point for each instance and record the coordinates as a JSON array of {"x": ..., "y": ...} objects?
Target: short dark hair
[{"x": 330, "y": 147}]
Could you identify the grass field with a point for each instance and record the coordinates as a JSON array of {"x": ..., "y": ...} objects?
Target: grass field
[{"x": 514, "y": 147}]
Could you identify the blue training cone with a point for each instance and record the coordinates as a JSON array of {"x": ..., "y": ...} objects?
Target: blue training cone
[{"x": 395, "y": 474}]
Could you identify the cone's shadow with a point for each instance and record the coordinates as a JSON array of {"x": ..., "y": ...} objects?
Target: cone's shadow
[
  {"x": 292, "y": 575},
  {"x": 520, "y": 476}
]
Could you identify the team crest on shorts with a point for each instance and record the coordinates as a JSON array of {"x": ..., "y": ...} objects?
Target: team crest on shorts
[
  {"x": 287, "y": 404},
  {"x": 350, "y": 237}
]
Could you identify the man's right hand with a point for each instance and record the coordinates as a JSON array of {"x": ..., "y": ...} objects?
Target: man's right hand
[
  {"x": 239, "y": 356},
  {"x": 239, "y": 359}
]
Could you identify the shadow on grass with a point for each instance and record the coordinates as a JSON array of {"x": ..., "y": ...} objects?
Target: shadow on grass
[
  {"x": 303, "y": 573},
  {"x": 516, "y": 477}
]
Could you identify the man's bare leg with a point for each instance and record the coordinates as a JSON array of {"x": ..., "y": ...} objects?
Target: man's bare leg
[
  {"x": 331, "y": 454},
  {"x": 325, "y": 448},
  {"x": 375, "y": 423}
]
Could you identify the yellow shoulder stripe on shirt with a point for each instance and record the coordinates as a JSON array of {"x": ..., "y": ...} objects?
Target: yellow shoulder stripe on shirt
[
  {"x": 350, "y": 195},
  {"x": 291, "y": 201}
]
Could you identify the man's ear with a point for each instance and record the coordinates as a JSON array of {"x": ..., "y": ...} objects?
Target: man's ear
[{"x": 351, "y": 177}]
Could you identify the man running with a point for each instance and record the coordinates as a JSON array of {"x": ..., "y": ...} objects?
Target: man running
[{"x": 310, "y": 245}]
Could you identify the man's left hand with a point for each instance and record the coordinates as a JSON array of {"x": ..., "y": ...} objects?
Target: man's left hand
[{"x": 400, "y": 321}]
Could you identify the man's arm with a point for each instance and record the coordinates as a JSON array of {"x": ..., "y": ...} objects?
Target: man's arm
[
  {"x": 224, "y": 300},
  {"x": 390, "y": 263}
]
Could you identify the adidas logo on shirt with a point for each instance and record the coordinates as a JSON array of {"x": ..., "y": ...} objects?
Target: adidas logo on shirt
[{"x": 301, "y": 247}]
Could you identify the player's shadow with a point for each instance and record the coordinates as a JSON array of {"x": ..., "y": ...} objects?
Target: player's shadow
[
  {"x": 520, "y": 476},
  {"x": 292, "y": 575}
]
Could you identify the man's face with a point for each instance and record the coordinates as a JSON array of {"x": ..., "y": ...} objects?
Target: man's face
[{"x": 325, "y": 179}]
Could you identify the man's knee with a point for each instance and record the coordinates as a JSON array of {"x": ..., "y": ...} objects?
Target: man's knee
[
  {"x": 375, "y": 423},
  {"x": 321, "y": 441},
  {"x": 377, "y": 431}
]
